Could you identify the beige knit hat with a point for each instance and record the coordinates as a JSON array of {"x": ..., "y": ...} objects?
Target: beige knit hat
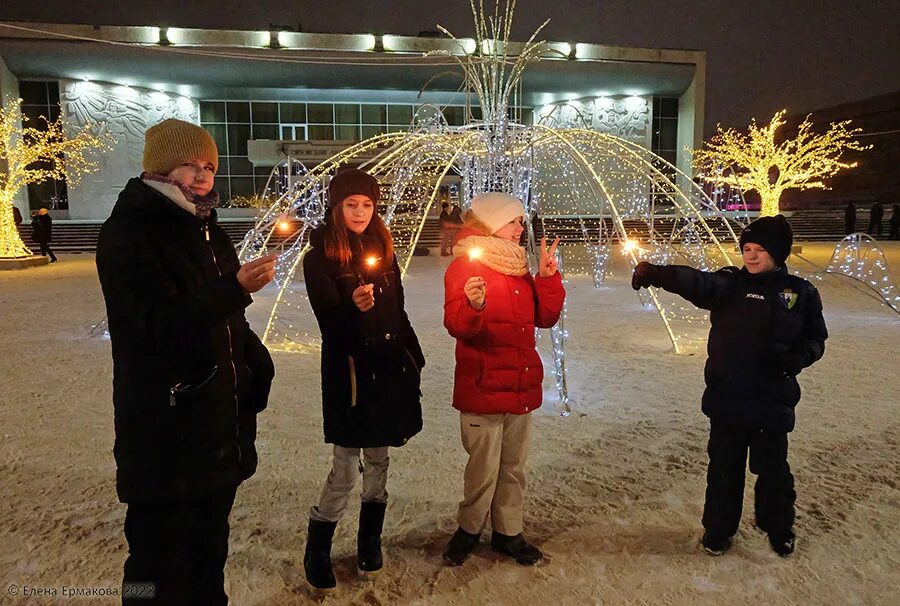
[
  {"x": 496, "y": 209},
  {"x": 172, "y": 142}
]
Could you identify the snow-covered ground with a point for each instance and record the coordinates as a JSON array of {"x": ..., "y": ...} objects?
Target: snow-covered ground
[{"x": 615, "y": 489}]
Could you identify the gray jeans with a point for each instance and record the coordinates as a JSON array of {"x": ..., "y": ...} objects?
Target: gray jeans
[{"x": 345, "y": 466}]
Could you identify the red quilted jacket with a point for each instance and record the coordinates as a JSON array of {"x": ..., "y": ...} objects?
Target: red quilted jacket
[{"x": 498, "y": 369}]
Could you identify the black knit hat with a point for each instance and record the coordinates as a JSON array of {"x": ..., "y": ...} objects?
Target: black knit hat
[
  {"x": 772, "y": 233},
  {"x": 350, "y": 182}
]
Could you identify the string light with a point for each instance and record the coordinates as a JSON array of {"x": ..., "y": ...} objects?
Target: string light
[
  {"x": 859, "y": 256},
  {"x": 755, "y": 162},
  {"x": 34, "y": 155}
]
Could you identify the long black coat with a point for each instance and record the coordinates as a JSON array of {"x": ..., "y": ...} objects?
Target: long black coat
[
  {"x": 42, "y": 228},
  {"x": 371, "y": 362},
  {"x": 189, "y": 375},
  {"x": 766, "y": 328}
]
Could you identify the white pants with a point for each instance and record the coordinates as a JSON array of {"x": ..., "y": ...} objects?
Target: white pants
[{"x": 345, "y": 466}]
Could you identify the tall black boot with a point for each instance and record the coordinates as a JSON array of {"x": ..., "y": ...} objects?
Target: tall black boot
[
  {"x": 317, "y": 559},
  {"x": 368, "y": 540}
]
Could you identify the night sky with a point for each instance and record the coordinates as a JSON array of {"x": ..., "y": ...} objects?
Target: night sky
[{"x": 762, "y": 55}]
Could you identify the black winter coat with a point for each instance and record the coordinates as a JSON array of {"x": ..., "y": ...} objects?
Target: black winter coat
[
  {"x": 42, "y": 228},
  {"x": 189, "y": 375},
  {"x": 766, "y": 328},
  {"x": 371, "y": 362}
]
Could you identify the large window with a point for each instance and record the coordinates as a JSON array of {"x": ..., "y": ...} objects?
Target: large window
[
  {"x": 665, "y": 128},
  {"x": 40, "y": 103},
  {"x": 664, "y": 141}
]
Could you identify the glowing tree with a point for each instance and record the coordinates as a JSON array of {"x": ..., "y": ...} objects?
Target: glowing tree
[
  {"x": 755, "y": 161},
  {"x": 34, "y": 155}
]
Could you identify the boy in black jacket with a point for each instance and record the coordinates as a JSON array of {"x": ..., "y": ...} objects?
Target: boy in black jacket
[{"x": 767, "y": 326}]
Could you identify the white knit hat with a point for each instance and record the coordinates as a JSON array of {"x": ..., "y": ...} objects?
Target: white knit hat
[{"x": 496, "y": 209}]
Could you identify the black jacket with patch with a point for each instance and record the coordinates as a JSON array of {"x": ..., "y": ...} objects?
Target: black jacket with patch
[
  {"x": 766, "y": 328},
  {"x": 189, "y": 375},
  {"x": 371, "y": 362}
]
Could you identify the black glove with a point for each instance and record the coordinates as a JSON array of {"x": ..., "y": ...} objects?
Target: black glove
[
  {"x": 644, "y": 274},
  {"x": 790, "y": 364}
]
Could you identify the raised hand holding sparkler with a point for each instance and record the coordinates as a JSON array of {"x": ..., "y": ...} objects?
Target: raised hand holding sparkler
[
  {"x": 475, "y": 287},
  {"x": 364, "y": 295},
  {"x": 254, "y": 275}
]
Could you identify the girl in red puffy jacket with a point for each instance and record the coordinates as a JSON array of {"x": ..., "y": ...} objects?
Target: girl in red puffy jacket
[{"x": 492, "y": 305}]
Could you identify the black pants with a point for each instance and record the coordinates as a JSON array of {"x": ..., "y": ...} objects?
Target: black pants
[
  {"x": 45, "y": 250},
  {"x": 775, "y": 496},
  {"x": 177, "y": 551}
]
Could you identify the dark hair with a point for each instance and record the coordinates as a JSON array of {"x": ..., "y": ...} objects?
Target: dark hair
[{"x": 337, "y": 242}]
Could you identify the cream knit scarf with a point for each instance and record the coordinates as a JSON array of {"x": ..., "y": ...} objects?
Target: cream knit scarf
[{"x": 501, "y": 255}]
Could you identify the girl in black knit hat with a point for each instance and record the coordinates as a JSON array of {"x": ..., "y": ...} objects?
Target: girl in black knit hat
[
  {"x": 371, "y": 361},
  {"x": 767, "y": 326}
]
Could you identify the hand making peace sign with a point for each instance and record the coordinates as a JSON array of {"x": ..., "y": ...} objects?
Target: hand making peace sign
[{"x": 547, "y": 265}]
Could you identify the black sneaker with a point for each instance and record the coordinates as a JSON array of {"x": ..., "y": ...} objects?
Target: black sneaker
[
  {"x": 460, "y": 547},
  {"x": 783, "y": 546},
  {"x": 521, "y": 550},
  {"x": 715, "y": 546}
]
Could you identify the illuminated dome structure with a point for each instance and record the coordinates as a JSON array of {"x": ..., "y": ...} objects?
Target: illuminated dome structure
[{"x": 600, "y": 189}]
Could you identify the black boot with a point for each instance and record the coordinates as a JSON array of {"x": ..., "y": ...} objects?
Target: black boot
[
  {"x": 713, "y": 545},
  {"x": 521, "y": 550},
  {"x": 460, "y": 547},
  {"x": 317, "y": 559},
  {"x": 784, "y": 544},
  {"x": 368, "y": 539}
]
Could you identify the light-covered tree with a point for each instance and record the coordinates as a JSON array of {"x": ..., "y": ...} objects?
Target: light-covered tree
[
  {"x": 31, "y": 155},
  {"x": 756, "y": 162}
]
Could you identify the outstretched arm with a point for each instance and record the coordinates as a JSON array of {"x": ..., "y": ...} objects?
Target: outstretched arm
[{"x": 702, "y": 288}]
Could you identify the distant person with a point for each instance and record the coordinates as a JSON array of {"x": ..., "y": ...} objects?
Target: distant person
[
  {"x": 451, "y": 222},
  {"x": 17, "y": 216},
  {"x": 875, "y": 217},
  {"x": 850, "y": 218},
  {"x": 189, "y": 375},
  {"x": 42, "y": 232},
  {"x": 767, "y": 326},
  {"x": 895, "y": 222}
]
